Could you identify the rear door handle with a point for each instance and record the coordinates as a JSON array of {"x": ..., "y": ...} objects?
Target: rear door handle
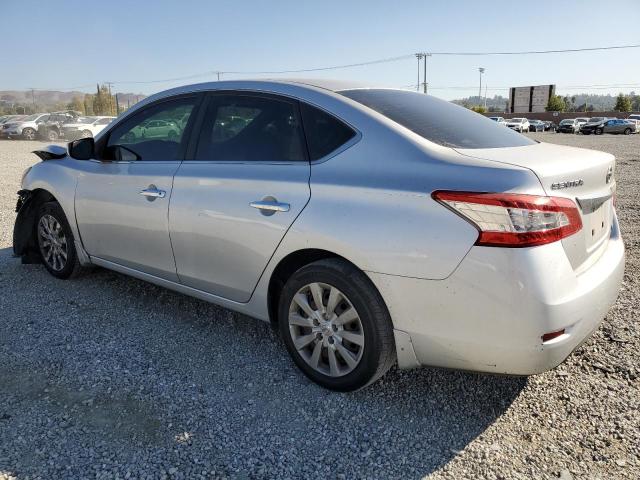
[
  {"x": 153, "y": 192},
  {"x": 270, "y": 206}
]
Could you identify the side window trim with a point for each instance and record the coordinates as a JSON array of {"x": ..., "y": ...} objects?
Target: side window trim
[
  {"x": 198, "y": 96},
  {"x": 201, "y": 121}
]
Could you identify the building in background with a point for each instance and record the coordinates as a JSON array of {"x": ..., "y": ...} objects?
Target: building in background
[{"x": 530, "y": 99}]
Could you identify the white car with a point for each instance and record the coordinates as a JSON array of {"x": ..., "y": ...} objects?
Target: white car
[
  {"x": 85, "y": 127},
  {"x": 25, "y": 128},
  {"x": 498, "y": 120},
  {"x": 518, "y": 124}
]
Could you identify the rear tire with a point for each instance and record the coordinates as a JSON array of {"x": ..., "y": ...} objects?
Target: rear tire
[
  {"x": 52, "y": 135},
  {"x": 347, "y": 342},
  {"x": 55, "y": 242},
  {"x": 599, "y": 131},
  {"x": 86, "y": 134}
]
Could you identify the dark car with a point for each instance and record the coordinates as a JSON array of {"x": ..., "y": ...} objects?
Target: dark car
[
  {"x": 51, "y": 129},
  {"x": 550, "y": 126},
  {"x": 536, "y": 126},
  {"x": 595, "y": 125}
]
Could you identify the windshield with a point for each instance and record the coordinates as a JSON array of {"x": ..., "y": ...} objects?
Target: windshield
[
  {"x": 31, "y": 118},
  {"x": 566, "y": 122},
  {"x": 517, "y": 120},
  {"x": 437, "y": 120},
  {"x": 597, "y": 119}
]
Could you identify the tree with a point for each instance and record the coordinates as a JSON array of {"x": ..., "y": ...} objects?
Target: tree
[
  {"x": 479, "y": 109},
  {"x": 103, "y": 103},
  {"x": 623, "y": 103},
  {"x": 77, "y": 105},
  {"x": 555, "y": 104}
]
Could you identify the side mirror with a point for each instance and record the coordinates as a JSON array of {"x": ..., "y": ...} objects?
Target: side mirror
[{"x": 82, "y": 149}]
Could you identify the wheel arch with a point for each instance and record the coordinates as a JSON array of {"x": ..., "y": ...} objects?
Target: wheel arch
[
  {"x": 287, "y": 266},
  {"x": 23, "y": 239}
]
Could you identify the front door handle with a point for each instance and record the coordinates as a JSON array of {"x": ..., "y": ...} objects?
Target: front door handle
[
  {"x": 268, "y": 206},
  {"x": 152, "y": 192}
]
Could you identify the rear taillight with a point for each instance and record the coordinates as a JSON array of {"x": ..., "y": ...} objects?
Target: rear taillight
[{"x": 514, "y": 220}]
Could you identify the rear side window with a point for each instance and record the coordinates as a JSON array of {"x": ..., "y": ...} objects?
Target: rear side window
[
  {"x": 251, "y": 128},
  {"x": 324, "y": 132},
  {"x": 437, "y": 120}
]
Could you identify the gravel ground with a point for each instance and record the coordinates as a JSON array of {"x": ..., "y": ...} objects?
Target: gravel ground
[{"x": 110, "y": 377}]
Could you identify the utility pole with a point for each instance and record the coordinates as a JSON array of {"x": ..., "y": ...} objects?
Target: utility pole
[
  {"x": 481, "y": 70},
  {"x": 425, "y": 84},
  {"x": 33, "y": 99},
  {"x": 117, "y": 105},
  {"x": 110, "y": 97},
  {"x": 485, "y": 95},
  {"x": 218, "y": 74},
  {"x": 419, "y": 57}
]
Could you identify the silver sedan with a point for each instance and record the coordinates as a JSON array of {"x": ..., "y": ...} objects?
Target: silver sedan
[{"x": 371, "y": 226}]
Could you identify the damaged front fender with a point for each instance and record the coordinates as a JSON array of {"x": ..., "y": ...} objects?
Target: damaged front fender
[{"x": 24, "y": 244}]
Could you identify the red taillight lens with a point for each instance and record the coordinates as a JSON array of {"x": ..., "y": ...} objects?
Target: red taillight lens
[
  {"x": 551, "y": 335},
  {"x": 514, "y": 220}
]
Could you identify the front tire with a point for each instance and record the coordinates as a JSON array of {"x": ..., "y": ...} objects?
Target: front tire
[
  {"x": 336, "y": 326},
  {"x": 55, "y": 242},
  {"x": 29, "y": 134},
  {"x": 599, "y": 131},
  {"x": 627, "y": 131},
  {"x": 86, "y": 134},
  {"x": 52, "y": 135}
]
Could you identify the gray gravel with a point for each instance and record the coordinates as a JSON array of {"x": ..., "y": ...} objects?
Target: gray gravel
[{"x": 110, "y": 377}]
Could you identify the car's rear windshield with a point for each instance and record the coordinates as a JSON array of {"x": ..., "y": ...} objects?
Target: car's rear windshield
[{"x": 437, "y": 120}]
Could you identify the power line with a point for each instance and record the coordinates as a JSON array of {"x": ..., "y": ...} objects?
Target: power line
[
  {"x": 540, "y": 52},
  {"x": 219, "y": 72}
]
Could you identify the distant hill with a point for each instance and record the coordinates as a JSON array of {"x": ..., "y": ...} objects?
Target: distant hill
[{"x": 52, "y": 99}]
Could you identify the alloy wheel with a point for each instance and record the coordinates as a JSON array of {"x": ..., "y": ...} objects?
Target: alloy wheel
[
  {"x": 326, "y": 329},
  {"x": 52, "y": 242}
]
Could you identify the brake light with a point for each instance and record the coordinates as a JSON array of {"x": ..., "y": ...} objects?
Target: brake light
[{"x": 514, "y": 220}]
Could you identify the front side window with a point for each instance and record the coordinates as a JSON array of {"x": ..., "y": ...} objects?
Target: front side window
[
  {"x": 248, "y": 128},
  {"x": 437, "y": 120},
  {"x": 153, "y": 134},
  {"x": 324, "y": 132}
]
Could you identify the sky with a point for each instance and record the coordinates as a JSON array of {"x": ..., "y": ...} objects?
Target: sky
[{"x": 64, "y": 44}]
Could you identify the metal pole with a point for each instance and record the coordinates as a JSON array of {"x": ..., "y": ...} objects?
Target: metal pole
[
  {"x": 424, "y": 77},
  {"x": 481, "y": 70},
  {"x": 33, "y": 99},
  {"x": 419, "y": 57},
  {"x": 425, "y": 84}
]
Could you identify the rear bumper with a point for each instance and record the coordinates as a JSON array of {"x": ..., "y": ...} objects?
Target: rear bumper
[{"x": 491, "y": 313}]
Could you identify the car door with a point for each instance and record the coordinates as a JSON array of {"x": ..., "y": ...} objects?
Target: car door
[
  {"x": 122, "y": 196},
  {"x": 232, "y": 205}
]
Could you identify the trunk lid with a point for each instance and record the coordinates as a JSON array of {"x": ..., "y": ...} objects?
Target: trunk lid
[{"x": 584, "y": 176}]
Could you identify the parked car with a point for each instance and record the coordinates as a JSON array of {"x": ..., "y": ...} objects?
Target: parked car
[
  {"x": 568, "y": 125},
  {"x": 518, "y": 124},
  {"x": 595, "y": 125},
  {"x": 635, "y": 121},
  {"x": 499, "y": 120},
  {"x": 166, "y": 128},
  {"x": 85, "y": 127},
  {"x": 25, "y": 128},
  {"x": 550, "y": 126},
  {"x": 583, "y": 120},
  {"x": 475, "y": 248},
  {"x": 634, "y": 116},
  {"x": 536, "y": 126},
  {"x": 11, "y": 118},
  {"x": 52, "y": 129},
  {"x": 618, "y": 126}
]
